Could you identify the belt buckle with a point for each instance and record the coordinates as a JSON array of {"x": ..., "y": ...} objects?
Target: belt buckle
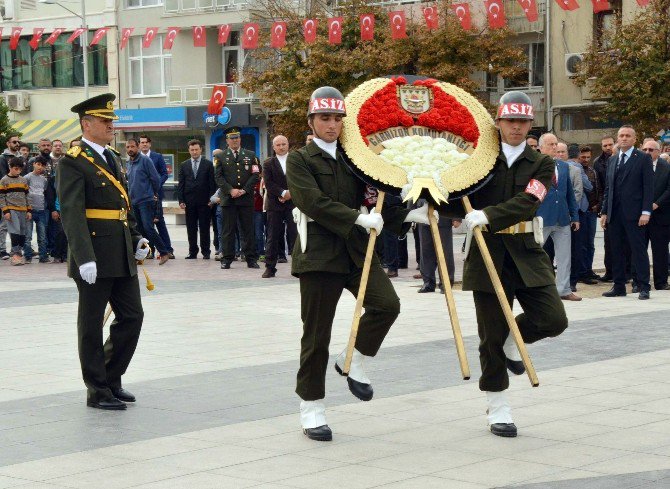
[{"x": 123, "y": 215}]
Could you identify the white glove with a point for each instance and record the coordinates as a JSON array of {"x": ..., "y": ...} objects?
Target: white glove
[
  {"x": 88, "y": 272},
  {"x": 474, "y": 219},
  {"x": 371, "y": 221},
  {"x": 420, "y": 215},
  {"x": 142, "y": 251}
]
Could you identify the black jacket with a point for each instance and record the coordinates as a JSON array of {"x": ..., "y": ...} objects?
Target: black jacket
[
  {"x": 275, "y": 183},
  {"x": 634, "y": 186},
  {"x": 198, "y": 190},
  {"x": 662, "y": 193}
]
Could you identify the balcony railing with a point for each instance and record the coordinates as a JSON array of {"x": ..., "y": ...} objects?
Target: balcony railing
[
  {"x": 200, "y": 94},
  {"x": 196, "y": 6},
  {"x": 516, "y": 17}
]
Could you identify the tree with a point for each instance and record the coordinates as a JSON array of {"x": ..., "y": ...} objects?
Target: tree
[
  {"x": 289, "y": 75},
  {"x": 629, "y": 68},
  {"x": 6, "y": 129}
]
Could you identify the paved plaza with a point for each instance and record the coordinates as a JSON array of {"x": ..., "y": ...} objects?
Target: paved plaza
[{"x": 214, "y": 375}]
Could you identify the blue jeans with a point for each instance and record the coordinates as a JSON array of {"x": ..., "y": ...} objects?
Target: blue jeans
[
  {"x": 162, "y": 228},
  {"x": 144, "y": 214},
  {"x": 41, "y": 221},
  {"x": 259, "y": 230}
]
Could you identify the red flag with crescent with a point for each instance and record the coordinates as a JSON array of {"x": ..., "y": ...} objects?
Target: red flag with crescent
[
  {"x": 250, "y": 36},
  {"x": 529, "y": 8},
  {"x": 125, "y": 35},
  {"x": 335, "y": 30},
  {"x": 16, "y": 35},
  {"x": 278, "y": 35},
  {"x": 430, "y": 14},
  {"x": 398, "y": 24},
  {"x": 462, "y": 11},
  {"x": 568, "y": 4},
  {"x": 51, "y": 40},
  {"x": 224, "y": 32},
  {"x": 99, "y": 34},
  {"x": 37, "y": 36},
  {"x": 496, "y": 13},
  {"x": 75, "y": 34},
  {"x": 170, "y": 37},
  {"x": 199, "y": 37},
  {"x": 600, "y": 6},
  {"x": 367, "y": 22},
  {"x": 217, "y": 100},
  {"x": 309, "y": 30},
  {"x": 149, "y": 36}
]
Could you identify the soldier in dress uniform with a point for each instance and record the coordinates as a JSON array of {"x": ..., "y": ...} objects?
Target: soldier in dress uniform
[
  {"x": 504, "y": 208},
  {"x": 328, "y": 257},
  {"x": 236, "y": 173},
  {"x": 103, "y": 248}
]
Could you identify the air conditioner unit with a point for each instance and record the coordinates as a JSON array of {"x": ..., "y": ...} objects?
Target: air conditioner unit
[
  {"x": 572, "y": 61},
  {"x": 18, "y": 101}
]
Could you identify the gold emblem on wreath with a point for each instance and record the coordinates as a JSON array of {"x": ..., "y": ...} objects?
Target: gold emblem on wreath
[{"x": 415, "y": 100}]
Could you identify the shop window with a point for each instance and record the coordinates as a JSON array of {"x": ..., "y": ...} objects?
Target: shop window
[
  {"x": 584, "y": 120},
  {"x": 533, "y": 70},
  {"x": 144, "y": 3},
  {"x": 150, "y": 68}
]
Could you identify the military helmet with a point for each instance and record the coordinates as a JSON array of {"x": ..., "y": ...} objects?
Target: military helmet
[
  {"x": 326, "y": 100},
  {"x": 515, "y": 105}
]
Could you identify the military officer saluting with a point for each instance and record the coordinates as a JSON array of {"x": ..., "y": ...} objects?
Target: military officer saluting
[
  {"x": 103, "y": 248},
  {"x": 505, "y": 205},
  {"x": 236, "y": 174}
]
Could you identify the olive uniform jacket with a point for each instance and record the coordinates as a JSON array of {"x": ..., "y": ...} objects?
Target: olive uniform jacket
[
  {"x": 505, "y": 202},
  {"x": 109, "y": 243},
  {"x": 328, "y": 192},
  {"x": 241, "y": 173}
]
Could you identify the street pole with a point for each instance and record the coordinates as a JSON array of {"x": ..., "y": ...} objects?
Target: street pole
[{"x": 84, "y": 47}]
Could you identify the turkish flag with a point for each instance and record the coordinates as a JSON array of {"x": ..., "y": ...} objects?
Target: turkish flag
[
  {"x": 643, "y": 3},
  {"x": 530, "y": 9},
  {"x": 170, "y": 37},
  {"x": 367, "y": 22},
  {"x": 51, "y": 40},
  {"x": 14, "y": 40},
  {"x": 125, "y": 35},
  {"x": 99, "y": 34},
  {"x": 199, "y": 37},
  {"x": 278, "y": 35},
  {"x": 37, "y": 36},
  {"x": 462, "y": 11},
  {"x": 149, "y": 36},
  {"x": 218, "y": 99},
  {"x": 398, "y": 24},
  {"x": 600, "y": 6},
  {"x": 335, "y": 30},
  {"x": 496, "y": 13},
  {"x": 568, "y": 4},
  {"x": 430, "y": 14},
  {"x": 309, "y": 30},
  {"x": 75, "y": 34},
  {"x": 250, "y": 36},
  {"x": 224, "y": 32}
]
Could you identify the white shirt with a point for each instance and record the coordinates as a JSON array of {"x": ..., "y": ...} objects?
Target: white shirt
[
  {"x": 512, "y": 152},
  {"x": 654, "y": 163},
  {"x": 330, "y": 148},
  {"x": 282, "y": 162},
  {"x": 98, "y": 149},
  {"x": 148, "y": 153}
]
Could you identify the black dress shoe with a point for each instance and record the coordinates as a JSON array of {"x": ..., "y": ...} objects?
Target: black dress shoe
[
  {"x": 112, "y": 404},
  {"x": 663, "y": 287},
  {"x": 282, "y": 260},
  {"x": 644, "y": 295},
  {"x": 269, "y": 273},
  {"x": 225, "y": 265},
  {"x": 588, "y": 281},
  {"x": 190, "y": 257},
  {"x": 253, "y": 264},
  {"x": 320, "y": 433},
  {"x": 573, "y": 288},
  {"x": 392, "y": 273},
  {"x": 515, "y": 366},
  {"x": 606, "y": 278},
  {"x": 171, "y": 256},
  {"x": 425, "y": 289},
  {"x": 507, "y": 430},
  {"x": 362, "y": 391},
  {"x": 614, "y": 292},
  {"x": 635, "y": 289},
  {"x": 205, "y": 257},
  {"x": 123, "y": 395}
]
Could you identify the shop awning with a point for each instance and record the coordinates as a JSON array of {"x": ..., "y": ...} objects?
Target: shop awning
[{"x": 33, "y": 130}]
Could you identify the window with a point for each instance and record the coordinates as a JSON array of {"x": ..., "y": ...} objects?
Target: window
[
  {"x": 606, "y": 23},
  {"x": 533, "y": 72},
  {"x": 57, "y": 66},
  {"x": 579, "y": 120},
  {"x": 144, "y": 3},
  {"x": 150, "y": 68},
  {"x": 232, "y": 56}
]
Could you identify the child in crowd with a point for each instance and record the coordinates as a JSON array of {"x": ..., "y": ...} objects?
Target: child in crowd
[
  {"x": 15, "y": 205},
  {"x": 37, "y": 184}
]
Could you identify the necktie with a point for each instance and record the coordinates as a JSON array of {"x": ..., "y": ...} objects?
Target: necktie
[
  {"x": 110, "y": 162},
  {"x": 622, "y": 161},
  {"x": 235, "y": 154},
  {"x": 195, "y": 168}
]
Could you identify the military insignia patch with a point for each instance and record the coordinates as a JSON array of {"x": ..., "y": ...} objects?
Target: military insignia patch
[{"x": 74, "y": 151}]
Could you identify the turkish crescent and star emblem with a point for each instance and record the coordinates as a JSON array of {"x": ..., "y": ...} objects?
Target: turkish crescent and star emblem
[
  {"x": 367, "y": 22},
  {"x": 99, "y": 34},
  {"x": 217, "y": 100},
  {"x": 224, "y": 32},
  {"x": 250, "y": 37},
  {"x": 54, "y": 36},
  {"x": 125, "y": 35},
  {"x": 149, "y": 36},
  {"x": 278, "y": 37},
  {"x": 170, "y": 37}
]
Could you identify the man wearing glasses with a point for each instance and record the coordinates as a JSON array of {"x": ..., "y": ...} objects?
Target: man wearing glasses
[{"x": 10, "y": 151}]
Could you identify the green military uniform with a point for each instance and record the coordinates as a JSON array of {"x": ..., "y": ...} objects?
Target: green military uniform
[
  {"x": 241, "y": 173},
  {"x": 100, "y": 228},
  {"x": 524, "y": 268},
  {"x": 329, "y": 193}
]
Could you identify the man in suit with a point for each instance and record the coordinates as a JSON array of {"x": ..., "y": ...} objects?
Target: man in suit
[
  {"x": 658, "y": 230},
  {"x": 196, "y": 186},
  {"x": 161, "y": 168},
  {"x": 600, "y": 166},
  {"x": 560, "y": 216},
  {"x": 103, "y": 248},
  {"x": 627, "y": 207},
  {"x": 588, "y": 219},
  {"x": 279, "y": 204},
  {"x": 236, "y": 176}
]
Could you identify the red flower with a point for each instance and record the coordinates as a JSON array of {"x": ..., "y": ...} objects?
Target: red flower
[{"x": 448, "y": 114}]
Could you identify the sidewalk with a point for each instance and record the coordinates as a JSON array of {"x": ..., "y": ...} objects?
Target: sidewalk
[{"x": 214, "y": 375}]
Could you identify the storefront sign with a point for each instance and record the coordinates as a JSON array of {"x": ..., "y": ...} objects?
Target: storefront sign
[
  {"x": 158, "y": 118},
  {"x": 214, "y": 120}
]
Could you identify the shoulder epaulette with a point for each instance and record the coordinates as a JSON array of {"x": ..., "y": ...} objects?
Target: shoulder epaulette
[
  {"x": 113, "y": 150},
  {"x": 73, "y": 152}
]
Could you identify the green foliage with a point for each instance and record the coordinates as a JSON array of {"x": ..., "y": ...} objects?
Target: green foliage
[
  {"x": 630, "y": 69},
  {"x": 6, "y": 129},
  {"x": 290, "y": 74}
]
